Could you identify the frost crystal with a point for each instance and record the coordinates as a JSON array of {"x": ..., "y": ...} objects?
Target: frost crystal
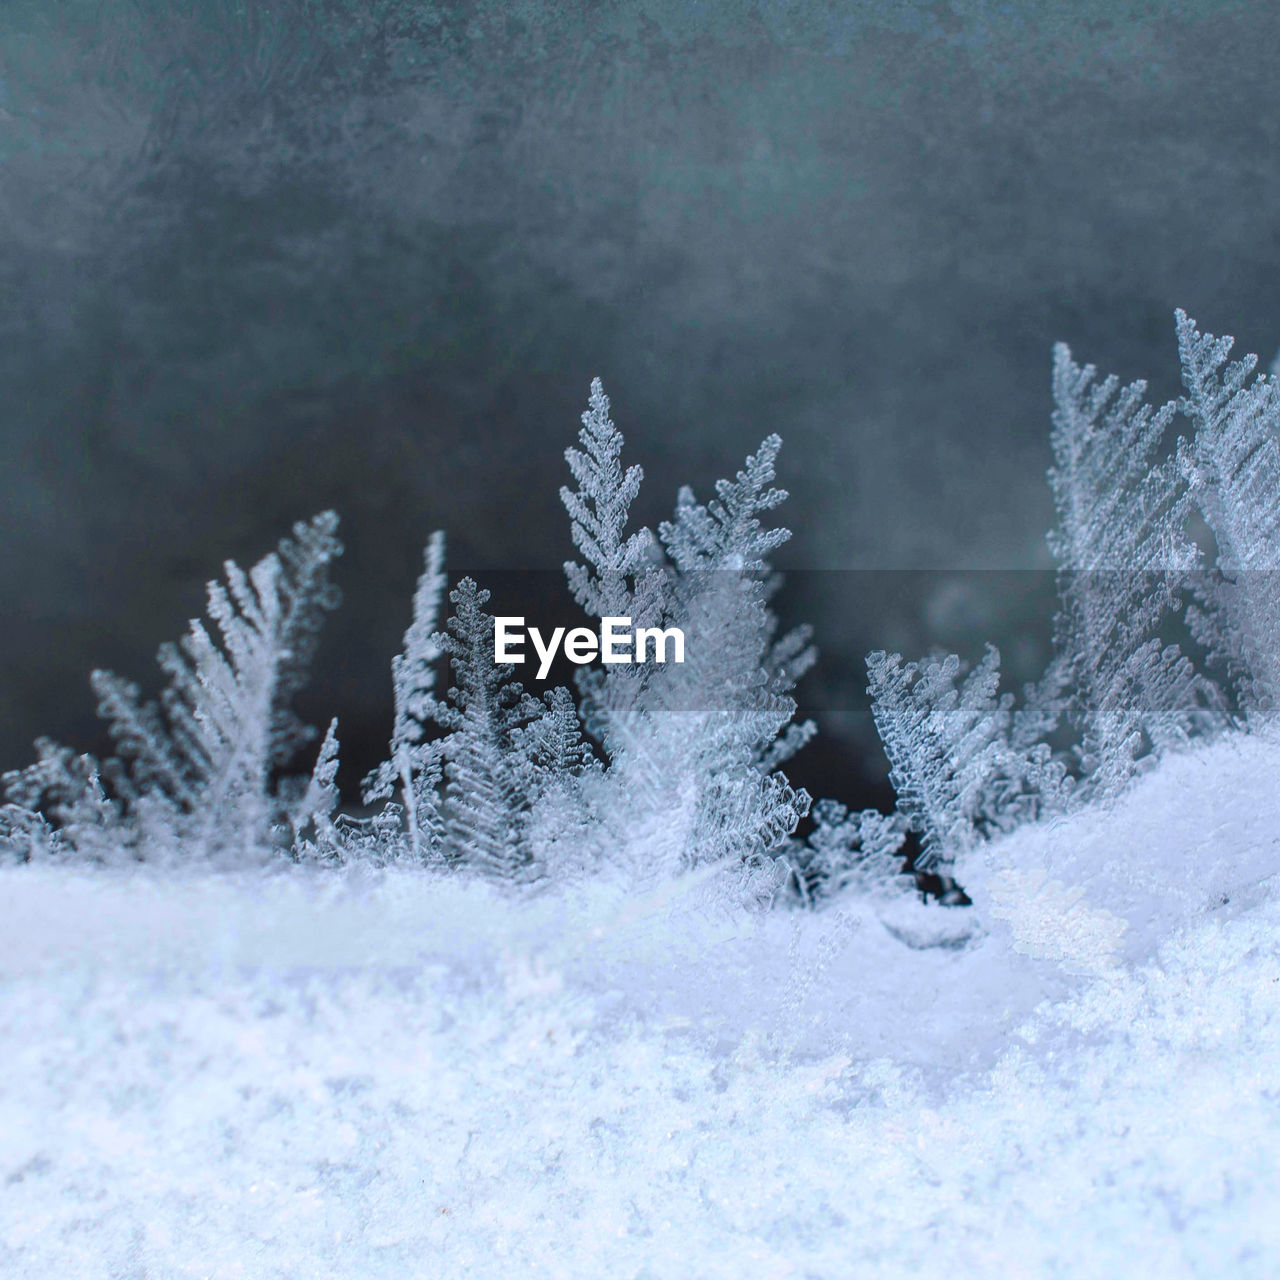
[
  {"x": 483, "y": 800},
  {"x": 1123, "y": 555},
  {"x": 947, "y": 746},
  {"x": 414, "y": 763},
  {"x": 622, "y": 576},
  {"x": 200, "y": 762},
  {"x": 851, "y": 852},
  {"x": 1232, "y": 466},
  {"x": 730, "y": 700},
  {"x": 698, "y": 742},
  {"x": 314, "y": 810}
]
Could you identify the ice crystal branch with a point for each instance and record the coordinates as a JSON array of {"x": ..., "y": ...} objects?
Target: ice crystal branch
[
  {"x": 1232, "y": 467},
  {"x": 413, "y": 766},
  {"x": 1123, "y": 556},
  {"x": 483, "y": 708},
  {"x": 204, "y": 755},
  {"x": 948, "y": 746}
]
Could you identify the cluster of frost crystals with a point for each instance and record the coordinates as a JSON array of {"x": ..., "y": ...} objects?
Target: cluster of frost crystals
[
  {"x": 195, "y": 769},
  {"x": 59, "y": 803},
  {"x": 967, "y": 762},
  {"x": 1232, "y": 467},
  {"x": 850, "y": 852},
  {"x": 1123, "y": 553},
  {"x": 694, "y": 747},
  {"x": 670, "y": 771}
]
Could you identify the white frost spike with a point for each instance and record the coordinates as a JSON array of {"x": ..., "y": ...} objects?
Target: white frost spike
[
  {"x": 598, "y": 511},
  {"x": 1123, "y": 556},
  {"x": 484, "y": 708},
  {"x": 1232, "y": 466},
  {"x": 203, "y": 758},
  {"x": 621, "y": 575},
  {"x": 726, "y": 713},
  {"x": 318, "y": 802},
  {"x": 414, "y": 765},
  {"x": 948, "y": 747}
]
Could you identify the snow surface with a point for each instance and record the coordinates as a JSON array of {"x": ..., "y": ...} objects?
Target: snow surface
[{"x": 367, "y": 1074}]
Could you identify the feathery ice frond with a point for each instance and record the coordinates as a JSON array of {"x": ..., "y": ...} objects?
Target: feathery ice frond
[
  {"x": 223, "y": 723},
  {"x": 727, "y": 533},
  {"x": 623, "y": 576},
  {"x": 306, "y": 595},
  {"x": 67, "y": 789},
  {"x": 1123, "y": 556},
  {"x": 556, "y": 774},
  {"x": 948, "y": 747},
  {"x": 314, "y": 810},
  {"x": 1232, "y": 467},
  {"x": 598, "y": 511},
  {"x": 726, "y": 711},
  {"x": 789, "y": 658},
  {"x": 414, "y": 763},
  {"x": 484, "y": 708}
]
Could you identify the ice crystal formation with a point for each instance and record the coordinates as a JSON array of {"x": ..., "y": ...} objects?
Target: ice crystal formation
[
  {"x": 1232, "y": 467},
  {"x": 654, "y": 771},
  {"x": 528, "y": 1028}
]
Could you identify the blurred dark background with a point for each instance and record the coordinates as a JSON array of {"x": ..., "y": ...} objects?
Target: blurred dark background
[{"x": 262, "y": 258}]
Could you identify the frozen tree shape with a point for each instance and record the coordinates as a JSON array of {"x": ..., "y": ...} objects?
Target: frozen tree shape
[
  {"x": 201, "y": 759},
  {"x": 414, "y": 765},
  {"x": 728, "y": 703},
  {"x": 1123, "y": 555},
  {"x": 948, "y": 747},
  {"x": 1232, "y": 468},
  {"x": 311, "y": 818},
  {"x": 484, "y": 800},
  {"x": 622, "y": 575},
  {"x": 699, "y": 741},
  {"x": 598, "y": 511},
  {"x": 859, "y": 852}
]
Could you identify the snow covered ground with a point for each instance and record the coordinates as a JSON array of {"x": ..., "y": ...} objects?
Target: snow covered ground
[{"x": 389, "y": 1074}]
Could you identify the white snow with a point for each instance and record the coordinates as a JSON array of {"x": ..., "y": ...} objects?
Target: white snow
[{"x": 394, "y": 1074}]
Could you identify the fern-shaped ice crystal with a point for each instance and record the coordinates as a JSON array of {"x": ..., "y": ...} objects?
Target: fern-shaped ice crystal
[
  {"x": 484, "y": 799},
  {"x": 1232, "y": 467},
  {"x": 947, "y": 744},
  {"x": 207, "y": 750},
  {"x": 414, "y": 767},
  {"x": 1123, "y": 556}
]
